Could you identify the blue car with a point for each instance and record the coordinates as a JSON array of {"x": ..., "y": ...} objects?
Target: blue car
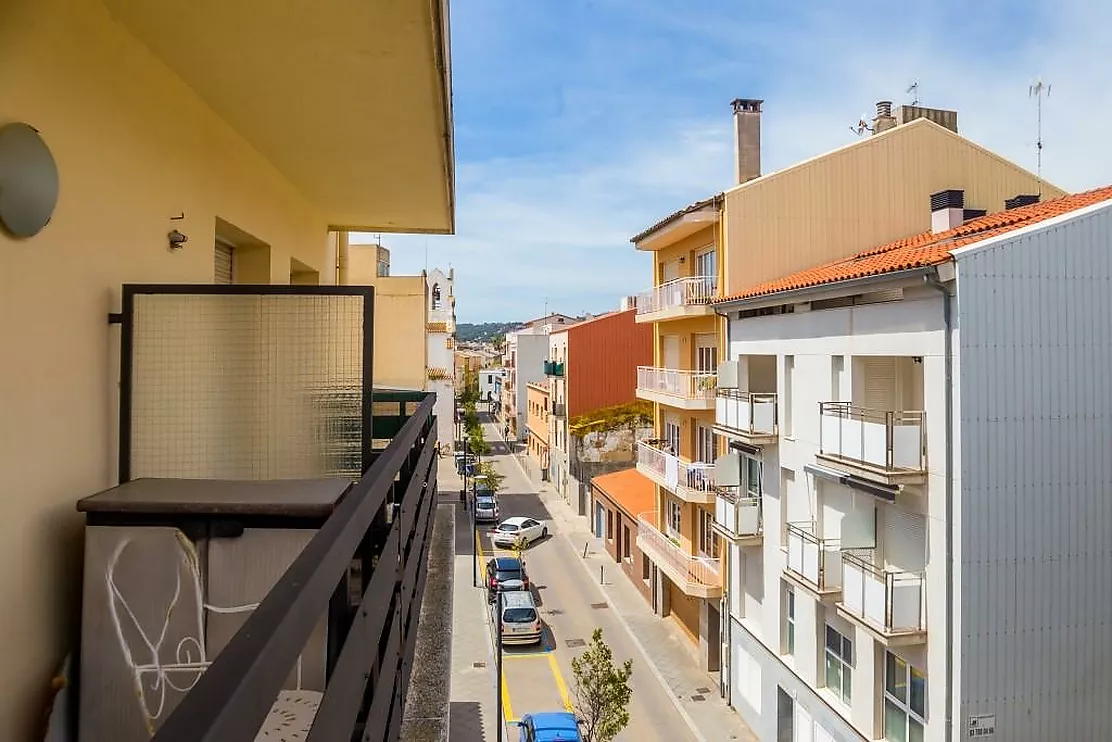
[{"x": 554, "y": 726}]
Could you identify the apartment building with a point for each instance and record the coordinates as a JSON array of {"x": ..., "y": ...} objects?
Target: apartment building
[
  {"x": 489, "y": 384},
  {"x": 868, "y": 192},
  {"x": 913, "y": 485},
  {"x": 591, "y": 367},
  {"x": 537, "y": 413},
  {"x": 168, "y": 144},
  {"x": 526, "y": 350},
  {"x": 440, "y": 342}
]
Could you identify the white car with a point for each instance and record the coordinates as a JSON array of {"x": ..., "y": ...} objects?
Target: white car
[{"x": 511, "y": 529}]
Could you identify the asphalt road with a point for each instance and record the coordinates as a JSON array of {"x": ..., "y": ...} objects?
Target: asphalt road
[{"x": 539, "y": 678}]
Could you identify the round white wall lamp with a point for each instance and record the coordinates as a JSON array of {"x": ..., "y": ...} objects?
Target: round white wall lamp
[{"x": 28, "y": 181}]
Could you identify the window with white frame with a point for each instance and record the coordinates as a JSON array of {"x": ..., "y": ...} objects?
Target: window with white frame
[
  {"x": 706, "y": 445},
  {"x": 675, "y": 518},
  {"x": 706, "y": 263},
  {"x": 752, "y": 476},
  {"x": 708, "y": 539},
  {"x": 839, "y": 664},
  {"x": 905, "y": 700},
  {"x": 789, "y": 620},
  {"x": 706, "y": 359}
]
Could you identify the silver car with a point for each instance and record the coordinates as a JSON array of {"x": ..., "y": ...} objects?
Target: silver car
[{"x": 486, "y": 508}]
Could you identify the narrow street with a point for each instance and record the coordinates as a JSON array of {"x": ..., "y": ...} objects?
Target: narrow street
[{"x": 571, "y": 606}]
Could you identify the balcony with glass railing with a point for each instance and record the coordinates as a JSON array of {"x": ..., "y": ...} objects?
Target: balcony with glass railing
[
  {"x": 814, "y": 563},
  {"x": 697, "y": 576},
  {"x": 889, "y": 446},
  {"x": 691, "y": 481},
  {"x": 750, "y": 416},
  {"x": 890, "y": 603},
  {"x": 681, "y": 297},
  {"x": 688, "y": 390},
  {"x": 739, "y": 519}
]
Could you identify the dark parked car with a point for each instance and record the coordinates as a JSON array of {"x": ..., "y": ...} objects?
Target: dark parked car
[{"x": 503, "y": 574}]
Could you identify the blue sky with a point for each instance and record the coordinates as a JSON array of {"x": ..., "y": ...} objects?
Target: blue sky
[{"x": 581, "y": 122}]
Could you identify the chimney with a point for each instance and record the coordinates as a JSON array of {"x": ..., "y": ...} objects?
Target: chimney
[
  {"x": 884, "y": 119},
  {"x": 945, "y": 118},
  {"x": 747, "y": 139},
  {"x": 947, "y": 210},
  {"x": 1023, "y": 199}
]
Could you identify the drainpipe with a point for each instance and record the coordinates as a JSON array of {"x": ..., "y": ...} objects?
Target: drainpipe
[
  {"x": 933, "y": 281},
  {"x": 726, "y": 628}
]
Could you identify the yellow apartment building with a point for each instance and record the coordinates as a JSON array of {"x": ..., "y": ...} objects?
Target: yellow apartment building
[
  {"x": 873, "y": 190},
  {"x": 154, "y": 142},
  {"x": 537, "y": 414}
]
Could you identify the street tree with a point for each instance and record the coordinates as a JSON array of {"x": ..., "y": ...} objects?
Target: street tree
[
  {"x": 494, "y": 478},
  {"x": 602, "y": 691}
]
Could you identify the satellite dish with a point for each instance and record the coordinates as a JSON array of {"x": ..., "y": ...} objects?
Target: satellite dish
[{"x": 28, "y": 180}]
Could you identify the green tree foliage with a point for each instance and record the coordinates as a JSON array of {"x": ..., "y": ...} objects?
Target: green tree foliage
[
  {"x": 602, "y": 691},
  {"x": 494, "y": 477},
  {"x": 624, "y": 416}
]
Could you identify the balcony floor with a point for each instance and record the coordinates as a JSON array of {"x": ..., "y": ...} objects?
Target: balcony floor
[
  {"x": 873, "y": 472},
  {"x": 887, "y": 638},
  {"x": 684, "y": 580},
  {"x": 674, "y": 400},
  {"x": 671, "y": 313}
]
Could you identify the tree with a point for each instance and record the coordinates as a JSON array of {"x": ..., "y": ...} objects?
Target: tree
[
  {"x": 602, "y": 691},
  {"x": 494, "y": 477}
]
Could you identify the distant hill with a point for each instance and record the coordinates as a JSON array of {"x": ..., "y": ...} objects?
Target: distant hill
[{"x": 484, "y": 331}]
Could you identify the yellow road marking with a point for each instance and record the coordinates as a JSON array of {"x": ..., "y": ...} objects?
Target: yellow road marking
[
  {"x": 524, "y": 655},
  {"x": 507, "y": 709},
  {"x": 560, "y": 684}
]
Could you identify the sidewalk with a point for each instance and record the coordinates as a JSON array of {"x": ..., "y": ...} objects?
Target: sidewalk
[
  {"x": 473, "y": 707},
  {"x": 663, "y": 643}
]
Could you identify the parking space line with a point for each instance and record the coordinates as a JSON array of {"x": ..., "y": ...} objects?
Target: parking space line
[
  {"x": 507, "y": 709},
  {"x": 560, "y": 684},
  {"x": 526, "y": 655}
]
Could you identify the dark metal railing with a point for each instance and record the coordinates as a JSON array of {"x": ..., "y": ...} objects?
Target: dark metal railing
[{"x": 383, "y": 526}]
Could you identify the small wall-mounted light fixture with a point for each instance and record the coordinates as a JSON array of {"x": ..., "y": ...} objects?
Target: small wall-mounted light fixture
[
  {"x": 917, "y": 359},
  {"x": 683, "y": 259},
  {"x": 176, "y": 239}
]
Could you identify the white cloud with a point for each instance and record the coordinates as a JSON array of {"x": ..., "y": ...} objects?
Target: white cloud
[{"x": 556, "y": 223}]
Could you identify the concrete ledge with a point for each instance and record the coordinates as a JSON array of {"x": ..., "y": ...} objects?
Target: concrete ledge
[{"x": 427, "y": 708}]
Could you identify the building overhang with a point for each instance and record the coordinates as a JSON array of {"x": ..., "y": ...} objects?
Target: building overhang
[
  {"x": 676, "y": 228},
  {"x": 349, "y": 100},
  {"x": 834, "y": 290}
]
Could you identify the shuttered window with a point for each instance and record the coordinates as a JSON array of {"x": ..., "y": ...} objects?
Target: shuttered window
[
  {"x": 905, "y": 540},
  {"x": 880, "y": 383},
  {"x": 222, "y": 273}
]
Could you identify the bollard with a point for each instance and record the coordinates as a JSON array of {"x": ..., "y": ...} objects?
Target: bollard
[
  {"x": 601, "y": 581},
  {"x": 585, "y": 545}
]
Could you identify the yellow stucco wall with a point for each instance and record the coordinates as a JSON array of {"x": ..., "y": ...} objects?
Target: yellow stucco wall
[
  {"x": 401, "y": 350},
  {"x": 134, "y": 147}
]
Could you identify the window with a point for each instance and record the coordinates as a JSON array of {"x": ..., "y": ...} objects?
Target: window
[
  {"x": 789, "y": 621},
  {"x": 625, "y": 544},
  {"x": 436, "y": 296},
  {"x": 752, "y": 476},
  {"x": 839, "y": 665},
  {"x": 905, "y": 701},
  {"x": 646, "y": 568},
  {"x": 706, "y": 265},
  {"x": 706, "y": 359},
  {"x": 609, "y": 525},
  {"x": 789, "y": 384},
  {"x": 706, "y": 445},
  {"x": 708, "y": 539},
  {"x": 672, "y": 436},
  {"x": 675, "y": 518},
  {"x": 837, "y": 367}
]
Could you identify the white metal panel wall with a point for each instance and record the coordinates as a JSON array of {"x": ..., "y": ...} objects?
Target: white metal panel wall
[{"x": 1035, "y": 313}]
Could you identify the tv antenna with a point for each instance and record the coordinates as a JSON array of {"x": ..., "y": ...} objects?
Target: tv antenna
[
  {"x": 913, "y": 91},
  {"x": 862, "y": 126},
  {"x": 1037, "y": 90}
]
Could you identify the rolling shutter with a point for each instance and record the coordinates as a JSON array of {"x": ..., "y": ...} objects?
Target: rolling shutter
[
  {"x": 880, "y": 383},
  {"x": 905, "y": 540},
  {"x": 223, "y": 264}
]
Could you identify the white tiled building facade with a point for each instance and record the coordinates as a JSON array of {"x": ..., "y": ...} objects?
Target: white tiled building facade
[
  {"x": 868, "y": 452},
  {"x": 440, "y": 335}
]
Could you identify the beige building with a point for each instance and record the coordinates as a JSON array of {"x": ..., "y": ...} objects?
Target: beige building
[
  {"x": 869, "y": 192},
  {"x": 189, "y": 145}
]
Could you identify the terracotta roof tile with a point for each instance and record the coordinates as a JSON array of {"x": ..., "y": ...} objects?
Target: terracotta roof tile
[
  {"x": 629, "y": 489},
  {"x": 926, "y": 249},
  {"x": 715, "y": 199}
]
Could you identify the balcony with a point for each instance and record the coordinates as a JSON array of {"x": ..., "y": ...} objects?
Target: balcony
[
  {"x": 692, "y": 482},
  {"x": 687, "y": 390},
  {"x": 886, "y": 446},
  {"x": 552, "y": 368},
  {"x": 749, "y": 416},
  {"x": 889, "y": 604},
  {"x": 738, "y": 518},
  {"x": 814, "y": 564},
  {"x": 439, "y": 374},
  {"x": 676, "y": 299},
  {"x": 230, "y": 698},
  {"x": 559, "y": 409},
  {"x": 697, "y": 576},
  {"x": 436, "y": 327}
]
